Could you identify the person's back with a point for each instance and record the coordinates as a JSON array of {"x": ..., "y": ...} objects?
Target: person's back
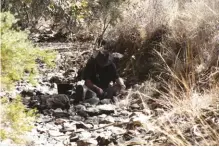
[{"x": 100, "y": 75}]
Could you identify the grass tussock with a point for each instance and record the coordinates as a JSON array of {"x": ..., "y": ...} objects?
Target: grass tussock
[
  {"x": 185, "y": 34},
  {"x": 175, "y": 43}
]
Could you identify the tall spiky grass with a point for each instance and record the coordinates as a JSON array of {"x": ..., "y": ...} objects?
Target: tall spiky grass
[{"x": 177, "y": 43}]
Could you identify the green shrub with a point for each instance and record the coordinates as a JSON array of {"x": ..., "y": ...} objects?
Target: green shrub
[
  {"x": 18, "y": 61},
  {"x": 15, "y": 120},
  {"x": 18, "y": 54}
]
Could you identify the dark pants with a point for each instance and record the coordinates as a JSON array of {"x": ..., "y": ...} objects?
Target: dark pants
[{"x": 83, "y": 93}]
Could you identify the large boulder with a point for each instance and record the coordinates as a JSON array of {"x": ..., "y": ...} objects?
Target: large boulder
[{"x": 54, "y": 101}]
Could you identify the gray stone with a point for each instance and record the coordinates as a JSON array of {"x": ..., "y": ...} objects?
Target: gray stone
[
  {"x": 69, "y": 126},
  {"x": 92, "y": 101},
  {"x": 86, "y": 104},
  {"x": 88, "y": 142},
  {"x": 73, "y": 138},
  {"x": 106, "y": 109},
  {"x": 82, "y": 125},
  {"x": 80, "y": 107},
  {"x": 116, "y": 130},
  {"x": 41, "y": 129},
  {"x": 84, "y": 135},
  {"x": 77, "y": 118},
  {"x": 134, "y": 106},
  {"x": 54, "y": 133},
  {"x": 92, "y": 120},
  {"x": 106, "y": 101},
  {"x": 107, "y": 120},
  {"x": 82, "y": 113},
  {"x": 93, "y": 111},
  {"x": 58, "y": 110},
  {"x": 125, "y": 113}
]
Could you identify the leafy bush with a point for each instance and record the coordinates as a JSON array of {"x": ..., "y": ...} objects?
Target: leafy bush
[
  {"x": 18, "y": 54},
  {"x": 15, "y": 120},
  {"x": 18, "y": 61}
]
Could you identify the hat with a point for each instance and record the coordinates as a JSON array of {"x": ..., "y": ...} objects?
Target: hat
[{"x": 103, "y": 58}]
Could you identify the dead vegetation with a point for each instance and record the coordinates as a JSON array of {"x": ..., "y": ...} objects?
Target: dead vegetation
[{"x": 175, "y": 44}]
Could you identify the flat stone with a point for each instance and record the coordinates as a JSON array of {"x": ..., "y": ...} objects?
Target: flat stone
[
  {"x": 90, "y": 142},
  {"x": 61, "y": 115},
  {"x": 50, "y": 126},
  {"x": 77, "y": 118},
  {"x": 92, "y": 120},
  {"x": 58, "y": 110},
  {"x": 54, "y": 133},
  {"x": 84, "y": 135},
  {"x": 92, "y": 101},
  {"x": 102, "y": 116},
  {"x": 107, "y": 120},
  {"x": 80, "y": 107},
  {"x": 69, "y": 126},
  {"x": 93, "y": 111},
  {"x": 59, "y": 121},
  {"x": 73, "y": 144},
  {"x": 106, "y": 109},
  {"x": 41, "y": 129},
  {"x": 102, "y": 141},
  {"x": 83, "y": 125},
  {"x": 83, "y": 113},
  {"x": 86, "y": 104},
  {"x": 116, "y": 130},
  {"x": 125, "y": 113},
  {"x": 134, "y": 106},
  {"x": 73, "y": 138},
  {"x": 106, "y": 101}
]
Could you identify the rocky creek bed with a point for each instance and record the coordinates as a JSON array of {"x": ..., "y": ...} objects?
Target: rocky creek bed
[
  {"x": 126, "y": 120},
  {"x": 105, "y": 123}
]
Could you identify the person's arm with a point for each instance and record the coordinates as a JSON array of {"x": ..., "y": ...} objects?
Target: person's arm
[
  {"x": 119, "y": 81},
  {"x": 121, "y": 84},
  {"x": 89, "y": 71},
  {"x": 93, "y": 87}
]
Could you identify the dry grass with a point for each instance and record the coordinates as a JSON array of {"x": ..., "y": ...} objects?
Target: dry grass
[
  {"x": 177, "y": 44},
  {"x": 184, "y": 33}
]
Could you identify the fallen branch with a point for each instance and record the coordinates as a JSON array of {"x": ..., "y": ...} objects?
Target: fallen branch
[{"x": 111, "y": 124}]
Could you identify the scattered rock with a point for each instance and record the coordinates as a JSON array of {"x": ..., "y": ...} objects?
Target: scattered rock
[
  {"x": 106, "y": 101},
  {"x": 80, "y": 125},
  {"x": 135, "y": 106},
  {"x": 80, "y": 107},
  {"x": 102, "y": 141},
  {"x": 93, "y": 111},
  {"x": 50, "y": 101},
  {"x": 61, "y": 114},
  {"x": 69, "y": 126},
  {"x": 82, "y": 113},
  {"x": 84, "y": 135},
  {"x": 59, "y": 121},
  {"x": 90, "y": 142},
  {"x": 73, "y": 137},
  {"x": 92, "y": 120},
  {"x": 106, "y": 109},
  {"x": 116, "y": 130},
  {"x": 107, "y": 120},
  {"x": 92, "y": 101},
  {"x": 54, "y": 133},
  {"x": 41, "y": 129},
  {"x": 87, "y": 104},
  {"x": 77, "y": 118},
  {"x": 56, "y": 79},
  {"x": 28, "y": 91}
]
